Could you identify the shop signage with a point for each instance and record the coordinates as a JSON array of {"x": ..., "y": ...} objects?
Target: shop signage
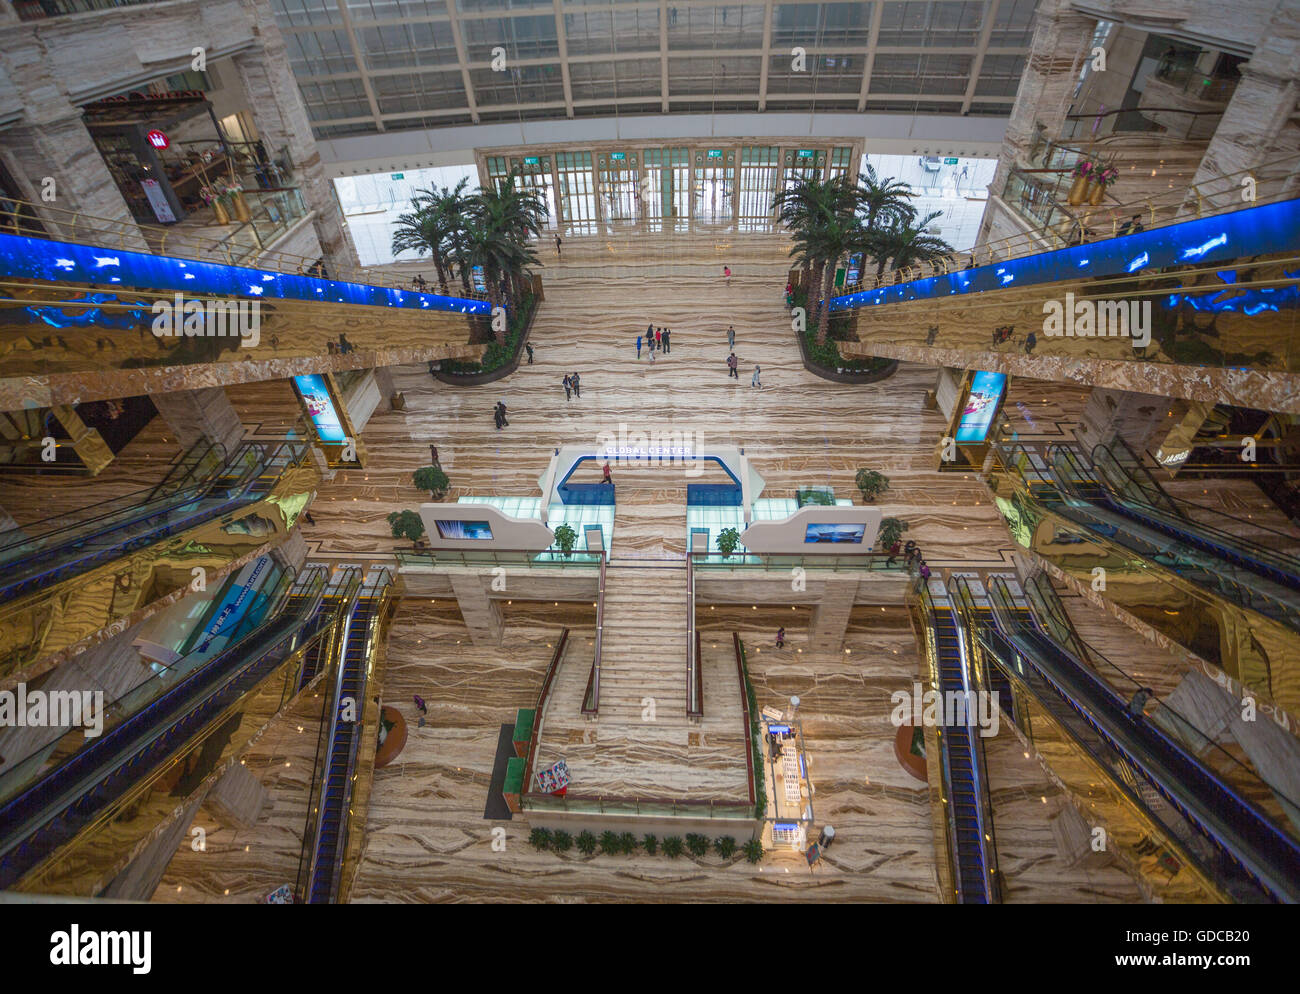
[
  {"x": 532, "y": 160},
  {"x": 618, "y": 156},
  {"x": 158, "y": 140},
  {"x": 153, "y": 192},
  {"x": 806, "y": 153},
  {"x": 950, "y": 162},
  {"x": 137, "y": 97}
]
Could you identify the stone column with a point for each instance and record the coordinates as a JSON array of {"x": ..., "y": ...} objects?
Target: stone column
[
  {"x": 238, "y": 798},
  {"x": 1141, "y": 420},
  {"x": 204, "y": 413},
  {"x": 830, "y": 619},
  {"x": 1258, "y": 126},
  {"x": 282, "y": 122},
  {"x": 1060, "y": 43},
  {"x": 482, "y": 616}
]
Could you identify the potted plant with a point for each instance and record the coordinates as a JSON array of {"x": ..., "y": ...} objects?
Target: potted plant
[
  {"x": 432, "y": 479},
  {"x": 891, "y": 531},
  {"x": 728, "y": 539},
  {"x": 753, "y": 850},
  {"x": 566, "y": 538},
  {"x": 212, "y": 196},
  {"x": 1083, "y": 170},
  {"x": 1102, "y": 178},
  {"x": 872, "y": 484},
  {"x": 235, "y": 198},
  {"x": 408, "y": 525}
]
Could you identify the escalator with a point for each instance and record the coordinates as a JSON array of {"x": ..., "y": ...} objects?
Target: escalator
[
  {"x": 1200, "y": 804},
  {"x": 327, "y": 835},
  {"x": 968, "y": 812},
  {"x": 58, "y": 805},
  {"x": 52, "y": 552},
  {"x": 1249, "y": 575},
  {"x": 339, "y": 595}
]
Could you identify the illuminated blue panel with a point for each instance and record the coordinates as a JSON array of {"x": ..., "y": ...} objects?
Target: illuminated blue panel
[
  {"x": 65, "y": 262},
  {"x": 1255, "y": 231}
]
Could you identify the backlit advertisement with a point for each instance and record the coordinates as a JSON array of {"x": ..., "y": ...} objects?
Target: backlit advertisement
[
  {"x": 981, "y": 406},
  {"x": 320, "y": 407}
]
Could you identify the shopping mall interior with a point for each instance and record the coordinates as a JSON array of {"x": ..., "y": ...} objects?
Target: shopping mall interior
[{"x": 644, "y": 292}]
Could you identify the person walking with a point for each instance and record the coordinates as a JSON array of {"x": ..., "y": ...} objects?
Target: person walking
[
  {"x": 652, "y": 351},
  {"x": 659, "y": 338},
  {"x": 604, "y": 474},
  {"x": 568, "y": 388},
  {"x": 577, "y": 385},
  {"x": 894, "y": 549},
  {"x": 499, "y": 415},
  {"x": 732, "y": 366},
  {"x": 731, "y": 337},
  {"x": 754, "y": 380},
  {"x": 726, "y": 271},
  {"x": 924, "y": 570},
  {"x": 780, "y": 638},
  {"x": 667, "y": 344},
  {"x": 529, "y": 349},
  {"x": 558, "y": 254},
  {"x": 638, "y": 346}
]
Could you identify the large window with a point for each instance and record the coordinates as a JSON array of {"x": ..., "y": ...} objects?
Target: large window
[
  {"x": 715, "y": 171},
  {"x": 577, "y": 190},
  {"x": 535, "y": 175},
  {"x": 668, "y": 190},
  {"x": 620, "y": 186},
  {"x": 760, "y": 169}
]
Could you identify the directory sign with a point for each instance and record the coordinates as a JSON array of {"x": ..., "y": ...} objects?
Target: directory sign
[{"x": 982, "y": 404}]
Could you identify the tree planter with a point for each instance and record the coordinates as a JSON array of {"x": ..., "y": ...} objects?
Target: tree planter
[
  {"x": 500, "y": 373},
  {"x": 1078, "y": 191}
]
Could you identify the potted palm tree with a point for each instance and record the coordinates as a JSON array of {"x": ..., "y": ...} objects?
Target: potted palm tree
[
  {"x": 433, "y": 227},
  {"x": 872, "y": 484},
  {"x": 432, "y": 479}
]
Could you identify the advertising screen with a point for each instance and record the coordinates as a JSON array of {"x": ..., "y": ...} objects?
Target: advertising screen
[
  {"x": 320, "y": 407},
  {"x": 846, "y": 532},
  {"x": 471, "y": 530},
  {"x": 981, "y": 405}
]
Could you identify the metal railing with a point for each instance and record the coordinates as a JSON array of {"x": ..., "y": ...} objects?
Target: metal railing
[
  {"x": 37, "y": 10},
  {"x": 591, "y": 696},
  {"x": 463, "y": 557},
  {"x": 694, "y": 677},
  {"x": 539, "y": 715}
]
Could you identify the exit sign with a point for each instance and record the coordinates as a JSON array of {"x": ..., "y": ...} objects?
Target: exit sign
[
  {"x": 715, "y": 153},
  {"x": 618, "y": 156},
  {"x": 806, "y": 153},
  {"x": 397, "y": 176},
  {"x": 532, "y": 161},
  {"x": 950, "y": 162}
]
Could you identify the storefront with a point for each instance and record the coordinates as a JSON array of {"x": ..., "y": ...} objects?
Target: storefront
[{"x": 789, "y": 816}]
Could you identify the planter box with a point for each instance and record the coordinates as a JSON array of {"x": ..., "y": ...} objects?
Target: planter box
[{"x": 524, "y": 719}]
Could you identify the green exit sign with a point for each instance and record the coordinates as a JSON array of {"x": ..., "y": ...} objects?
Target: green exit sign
[
  {"x": 618, "y": 156},
  {"x": 806, "y": 153},
  {"x": 950, "y": 162},
  {"x": 532, "y": 161},
  {"x": 715, "y": 153},
  {"x": 397, "y": 176}
]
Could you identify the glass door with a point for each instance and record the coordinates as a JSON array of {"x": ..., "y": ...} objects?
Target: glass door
[
  {"x": 535, "y": 176},
  {"x": 714, "y": 186},
  {"x": 620, "y": 186}
]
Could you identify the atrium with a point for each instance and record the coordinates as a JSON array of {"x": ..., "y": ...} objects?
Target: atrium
[{"x": 421, "y": 422}]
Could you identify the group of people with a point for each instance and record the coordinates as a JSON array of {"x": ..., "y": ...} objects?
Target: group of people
[
  {"x": 499, "y": 415},
  {"x": 911, "y": 553},
  {"x": 572, "y": 386},
  {"x": 655, "y": 338}
]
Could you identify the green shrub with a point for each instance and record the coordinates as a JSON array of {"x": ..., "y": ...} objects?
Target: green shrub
[
  {"x": 724, "y": 846},
  {"x": 891, "y": 531},
  {"x": 753, "y": 850},
  {"x": 609, "y": 844},
  {"x": 540, "y": 839},
  {"x": 627, "y": 843},
  {"x": 728, "y": 539},
  {"x": 566, "y": 538},
  {"x": 497, "y": 355},
  {"x": 432, "y": 479},
  {"x": 407, "y": 525},
  {"x": 871, "y": 483},
  {"x": 561, "y": 841},
  {"x": 672, "y": 846},
  {"x": 698, "y": 845},
  {"x": 650, "y": 844},
  {"x": 586, "y": 843}
]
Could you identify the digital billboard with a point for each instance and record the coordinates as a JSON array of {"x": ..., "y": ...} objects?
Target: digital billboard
[
  {"x": 464, "y": 530},
  {"x": 981, "y": 406},
  {"x": 835, "y": 532},
  {"x": 316, "y": 398}
]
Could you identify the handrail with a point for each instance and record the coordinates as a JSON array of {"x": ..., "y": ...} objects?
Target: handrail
[
  {"x": 542, "y": 697},
  {"x": 1176, "y": 201},
  {"x": 120, "y": 230},
  {"x": 592, "y": 694},
  {"x": 694, "y": 677},
  {"x": 742, "y": 675}
]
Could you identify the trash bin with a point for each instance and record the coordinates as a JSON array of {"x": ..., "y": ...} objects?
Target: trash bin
[{"x": 826, "y": 838}]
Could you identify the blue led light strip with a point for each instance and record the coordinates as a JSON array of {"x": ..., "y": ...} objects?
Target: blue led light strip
[
  {"x": 1254, "y": 231},
  {"x": 68, "y": 262}
]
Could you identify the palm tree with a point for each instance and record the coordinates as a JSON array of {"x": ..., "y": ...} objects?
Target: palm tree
[
  {"x": 431, "y": 228},
  {"x": 823, "y": 242},
  {"x": 882, "y": 202},
  {"x": 515, "y": 216},
  {"x": 908, "y": 243},
  {"x": 806, "y": 201}
]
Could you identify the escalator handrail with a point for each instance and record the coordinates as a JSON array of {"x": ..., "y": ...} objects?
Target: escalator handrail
[
  {"x": 312, "y": 584},
  {"x": 1032, "y": 643},
  {"x": 184, "y": 470}
]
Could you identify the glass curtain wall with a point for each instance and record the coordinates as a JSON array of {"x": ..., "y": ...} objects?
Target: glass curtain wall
[
  {"x": 760, "y": 170},
  {"x": 620, "y": 186},
  {"x": 668, "y": 203},
  {"x": 577, "y": 191},
  {"x": 715, "y": 171}
]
